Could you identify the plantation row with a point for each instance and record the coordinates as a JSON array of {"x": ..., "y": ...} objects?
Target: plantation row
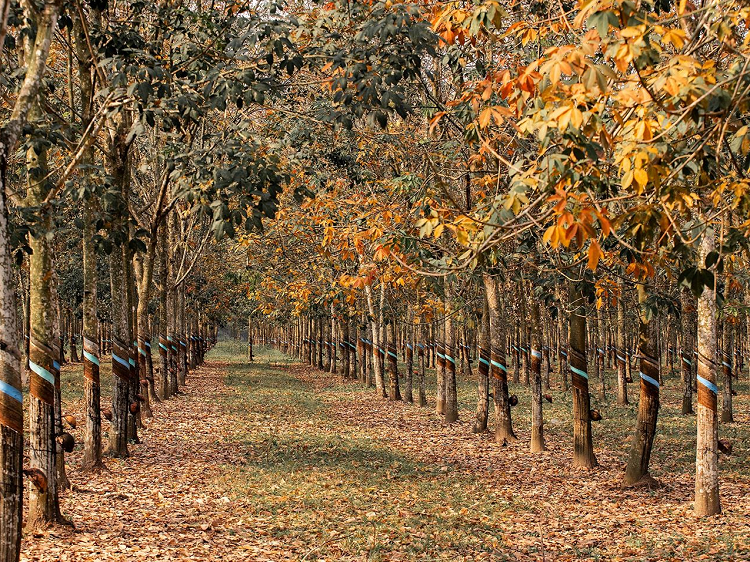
[
  {"x": 497, "y": 344},
  {"x": 498, "y": 189}
]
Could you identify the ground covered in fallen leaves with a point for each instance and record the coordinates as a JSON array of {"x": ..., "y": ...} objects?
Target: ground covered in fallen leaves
[{"x": 278, "y": 461}]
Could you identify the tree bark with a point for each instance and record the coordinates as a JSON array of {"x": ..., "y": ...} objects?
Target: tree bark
[
  {"x": 44, "y": 352},
  {"x": 11, "y": 398},
  {"x": 421, "y": 390},
  {"x": 498, "y": 368},
  {"x": 394, "y": 392},
  {"x": 483, "y": 383},
  {"x": 583, "y": 445},
  {"x": 164, "y": 390},
  {"x": 377, "y": 357},
  {"x": 451, "y": 392},
  {"x": 600, "y": 355},
  {"x": 562, "y": 354},
  {"x": 535, "y": 356},
  {"x": 726, "y": 368},
  {"x": 621, "y": 351},
  {"x": 409, "y": 378},
  {"x": 145, "y": 280},
  {"x": 687, "y": 353},
  {"x": 707, "y": 500},
  {"x": 121, "y": 329},
  {"x": 648, "y": 406}
]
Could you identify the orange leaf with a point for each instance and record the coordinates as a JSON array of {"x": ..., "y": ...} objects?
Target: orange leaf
[{"x": 595, "y": 252}]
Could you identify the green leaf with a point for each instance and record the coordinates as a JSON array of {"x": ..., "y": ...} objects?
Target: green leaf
[{"x": 601, "y": 22}]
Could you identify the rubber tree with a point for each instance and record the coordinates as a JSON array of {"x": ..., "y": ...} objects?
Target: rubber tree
[
  {"x": 583, "y": 445},
  {"x": 375, "y": 327},
  {"x": 11, "y": 398},
  {"x": 562, "y": 354},
  {"x": 686, "y": 360},
  {"x": 498, "y": 364},
  {"x": 535, "y": 358},
  {"x": 727, "y": 346},
  {"x": 440, "y": 370},
  {"x": 144, "y": 270},
  {"x": 44, "y": 351},
  {"x": 421, "y": 390},
  {"x": 165, "y": 388},
  {"x": 117, "y": 167},
  {"x": 599, "y": 354},
  {"x": 172, "y": 303},
  {"x": 449, "y": 381},
  {"x": 394, "y": 391},
  {"x": 707, "y": 501},
  {"x": 483, "y": 382},
  {"x": 92, "y": 444},
  {"x": 621, "y": 352},
  {"x": 648, "y": 405},
  {"x": 409, "y": 375}
]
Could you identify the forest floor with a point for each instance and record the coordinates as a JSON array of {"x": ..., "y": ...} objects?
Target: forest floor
[{"x": 278, "y": 461}]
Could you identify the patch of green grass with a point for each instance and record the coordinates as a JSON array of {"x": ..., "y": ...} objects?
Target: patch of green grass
[
  {"x": 317, "y": 473},
  {"x": 331, "y": 492}
]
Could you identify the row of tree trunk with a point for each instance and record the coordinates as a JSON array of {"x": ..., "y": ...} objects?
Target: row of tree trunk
[
  {"x": 391, "y": 354},
  {"x": 183, "y": 339}
]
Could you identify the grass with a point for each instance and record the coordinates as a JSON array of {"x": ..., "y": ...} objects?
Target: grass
[
  {"x": 674, "y": 448},
  {"x": 332, "y": 492},
  {"x": 326, "y": 488},
  {"x": 324, "y": 485}
]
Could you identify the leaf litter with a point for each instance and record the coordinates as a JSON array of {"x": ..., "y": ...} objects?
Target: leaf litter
[{"x": 279, "y": 461}]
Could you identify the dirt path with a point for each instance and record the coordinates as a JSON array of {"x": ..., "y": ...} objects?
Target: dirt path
[
  {"x": 282, "y": 462},
  {"x": 156, "y": 505}
]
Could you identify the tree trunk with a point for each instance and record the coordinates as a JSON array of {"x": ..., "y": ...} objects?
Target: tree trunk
[
  {"x": 172, "y": 352},
  {"x": 707, "y": 500},
  {"x": 164, "y": 385},
  {"x": 134, "y": 384},
  {"x": 382, "y": 335},
  {"x": 321, "y": 341},
  {"x": 348, "y": 363},
  {"x": 621, "y": 351},
  {"x": 498, "y": 369},
  {"x": 451, "y": 392},
  {"x": 182, "y": 368},
  {"x": 483, "y": 384},
  {"x": 118, "y": 434},
  {"x": 377, "y": 357},
  {"x": 121, "y": 336},
  {"x": 44, "y": 356},
  {"x": 329, "y": 337},
  {"x": 583, "y": 445},
  {"x": 146, "y": 268},
  {"x": 648, "y": 406},
  {"x": 11, "y": 398},
  {"x": 562, "y": 354},
  {"x": 72, "y": 340},
  {"x": 687, "y": 353},
  {"x": 362, "y": 352},
  {"x": 726, "y": 368},
  {"x": 422, "y": 392},
  {"x": 546, "y": 341},
  {"x": 394, "y": 392},
  {"x": 92, "y": 444},
  {"x": 599, "y": 355},
  {"x": 334, "y": 351},
  {"x": 441, "y": 369},
  {"x": 62, "y": 477},
  {"x": 409, "y": 378},
  {"x": 535, "y": 356}
]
